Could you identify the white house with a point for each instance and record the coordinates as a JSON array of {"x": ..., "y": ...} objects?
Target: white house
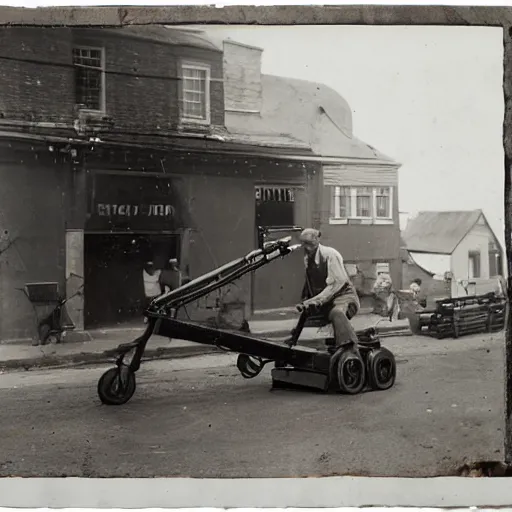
[{"x": 456, "y": 244}]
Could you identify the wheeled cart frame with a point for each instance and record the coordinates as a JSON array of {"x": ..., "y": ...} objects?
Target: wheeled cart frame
[{"x": 348, "y": 371}]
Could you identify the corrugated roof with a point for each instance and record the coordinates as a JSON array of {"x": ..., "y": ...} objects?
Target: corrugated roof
[
  {"x": 438, "y": 232},
  {"x": 309, "y": 112},
  {"x": 167, "y": 35}
]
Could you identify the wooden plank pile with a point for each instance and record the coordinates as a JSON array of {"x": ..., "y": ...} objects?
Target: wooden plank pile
[{"x": 462, "y": 316}]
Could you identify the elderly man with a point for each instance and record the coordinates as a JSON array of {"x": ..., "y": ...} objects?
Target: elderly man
[{"x": 328, "y": 287}]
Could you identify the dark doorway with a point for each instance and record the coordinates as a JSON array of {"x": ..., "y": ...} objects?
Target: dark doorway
[
  {"x": 114, "y": 287},
  {"x": 279, "y": 284}
]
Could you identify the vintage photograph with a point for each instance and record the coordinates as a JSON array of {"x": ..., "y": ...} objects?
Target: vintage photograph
[{"x": 251, "y": 251}]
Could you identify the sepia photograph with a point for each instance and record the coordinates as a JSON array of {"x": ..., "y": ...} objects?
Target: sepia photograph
[{"x": 225, "y": 253}]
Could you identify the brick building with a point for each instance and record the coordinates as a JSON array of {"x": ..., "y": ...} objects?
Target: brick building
[{"x": 114, "y": 150}]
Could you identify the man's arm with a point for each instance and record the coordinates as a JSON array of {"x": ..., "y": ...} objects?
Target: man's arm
[{"x": 336, "y": 278}]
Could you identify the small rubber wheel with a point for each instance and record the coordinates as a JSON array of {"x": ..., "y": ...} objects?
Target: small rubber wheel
[
  {"x": 381, "y": 369},
  {"x": 112, "y": 390},
  {"x": 249, "y": 366},
  {"x": 351, "y": 373},
  {"x": 53, "y": 339},
  {"x": 44, "y": 334}
]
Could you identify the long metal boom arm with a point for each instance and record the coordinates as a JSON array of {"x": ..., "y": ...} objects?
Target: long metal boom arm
[{"x": 223, "y": 275}]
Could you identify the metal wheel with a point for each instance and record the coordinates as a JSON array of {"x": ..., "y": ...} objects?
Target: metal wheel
[
  {"x": 351, "y": 373},
  {"x": 381, "y": 369},
  {"x": 249, "y": 366},
  {"x": 116, "y": 387}
]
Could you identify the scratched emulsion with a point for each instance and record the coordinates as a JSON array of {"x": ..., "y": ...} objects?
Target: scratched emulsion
[{"x": 88, "y": 461}]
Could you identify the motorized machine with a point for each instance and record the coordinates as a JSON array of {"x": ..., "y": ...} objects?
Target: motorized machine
[{"x": 342, "y": 370}]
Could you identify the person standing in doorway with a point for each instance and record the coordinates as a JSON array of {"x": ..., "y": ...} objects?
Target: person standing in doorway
[
  {"x": 151, "y": 282},
  {"x": 170, "y": 278}
]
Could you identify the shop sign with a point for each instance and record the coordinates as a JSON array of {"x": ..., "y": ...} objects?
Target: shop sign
[
  {"x": 134, "y": 210},
  {"x": 120, "y": 202}
]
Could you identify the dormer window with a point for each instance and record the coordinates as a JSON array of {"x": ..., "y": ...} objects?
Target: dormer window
[
  {"x": 89, "y": 64},
  {"x": 195, "y": 93}
]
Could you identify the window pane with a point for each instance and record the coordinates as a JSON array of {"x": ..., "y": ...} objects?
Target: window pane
[
  {"x": 194, "y": 93},
  {"x": 383, "y": 202},
  {"x": 88, "y": 88},
  {"x": 383, "y": 206},
  {"x": 363, "y": 206},
  {"x": 87, "y": 57},
  {"x": 88, "y": 77},
  {"x": 344, "y": 206},
  {"x": 341, "y": 202}
]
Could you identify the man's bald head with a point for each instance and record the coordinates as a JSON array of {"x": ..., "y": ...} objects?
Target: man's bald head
[{"x": 310, "y": 240}]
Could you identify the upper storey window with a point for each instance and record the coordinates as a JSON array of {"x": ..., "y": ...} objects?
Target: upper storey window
[
  {"x": 89, "y": 64},
  {"x": 195, "y": 93},
  {"x": 374, "y": 204}
]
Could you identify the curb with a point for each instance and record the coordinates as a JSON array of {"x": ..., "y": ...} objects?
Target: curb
[{"x": 97, "y": 358}]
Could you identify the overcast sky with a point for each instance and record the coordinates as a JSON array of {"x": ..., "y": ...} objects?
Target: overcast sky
[{"x": 430, "y": 97}]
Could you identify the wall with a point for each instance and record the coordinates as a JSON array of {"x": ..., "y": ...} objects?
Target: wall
[
  {"x": 222, "y": 210},
  {"x": 36, "y": 92},
  {"x": 149, "y": 103},
  {"x": 32, "y": 212},
  {"x": 218, "y": 197},
  {"x": 476, "y": 240},
  {"x": 32, "y": 91},
  {"x": 242, "y": 77}
]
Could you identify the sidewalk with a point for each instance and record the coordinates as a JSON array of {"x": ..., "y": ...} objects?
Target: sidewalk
[{"x": 25, "y": 356}]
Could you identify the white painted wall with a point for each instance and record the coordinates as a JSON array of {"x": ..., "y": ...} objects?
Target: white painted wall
[{"x": 476, "y": 240}]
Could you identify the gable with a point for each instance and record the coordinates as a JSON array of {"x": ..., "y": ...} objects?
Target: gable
[{"x": 439, "y": 232}]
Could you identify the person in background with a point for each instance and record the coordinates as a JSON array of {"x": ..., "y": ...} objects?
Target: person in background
[
  {"x": 415, "y": 287},
  {"x": 151, "y": 278},
  {"x": 170, "y": 278},
  {"x": 382, "y": 293},
  {"x": 328, "y": 288}
]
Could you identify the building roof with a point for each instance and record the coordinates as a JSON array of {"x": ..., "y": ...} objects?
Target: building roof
[
  {"x": 439, "y": 232},
  {"x": 309, "y": 112},
  {"x": 166, "y": 35}
]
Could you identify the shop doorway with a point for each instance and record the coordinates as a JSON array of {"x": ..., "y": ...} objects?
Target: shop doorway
[
  {"x": 279, "y": 284},
  {"x": 114, "y": 286}
]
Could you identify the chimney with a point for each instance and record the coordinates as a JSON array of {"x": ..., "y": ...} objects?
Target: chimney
[{"x": 242, "y": 77}]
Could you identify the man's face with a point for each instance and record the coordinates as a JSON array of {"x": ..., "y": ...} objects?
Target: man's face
[{"x": 310, "y": 246}]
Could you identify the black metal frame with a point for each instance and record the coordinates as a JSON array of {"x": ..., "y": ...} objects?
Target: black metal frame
[
  {"x": 161, "y": 316},
  {"x": 53, "y": 320}
]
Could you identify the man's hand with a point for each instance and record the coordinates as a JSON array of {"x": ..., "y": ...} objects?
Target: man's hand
[
  {"x": 308, "y": 304},
  {"x": 300, "y": 307}
]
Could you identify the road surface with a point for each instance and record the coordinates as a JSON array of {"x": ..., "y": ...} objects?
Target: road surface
[{"x": 197, "y": 417}]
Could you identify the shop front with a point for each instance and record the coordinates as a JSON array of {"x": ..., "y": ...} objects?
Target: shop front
[{"x": 132, "y": 219}]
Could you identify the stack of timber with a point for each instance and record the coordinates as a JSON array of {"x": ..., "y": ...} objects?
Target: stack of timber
[{"x": 468, "y": 315}]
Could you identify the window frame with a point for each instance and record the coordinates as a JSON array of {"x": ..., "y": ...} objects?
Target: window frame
[
  {"x": 196, "y": 66},
  {"x": 334, "y": 217},
  {"x": 476, "y": 256},
  {"x": 103, "y": 91}
]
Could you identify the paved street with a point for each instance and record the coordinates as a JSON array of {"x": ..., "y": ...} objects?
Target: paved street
[{"x": 197, "y": 417}]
